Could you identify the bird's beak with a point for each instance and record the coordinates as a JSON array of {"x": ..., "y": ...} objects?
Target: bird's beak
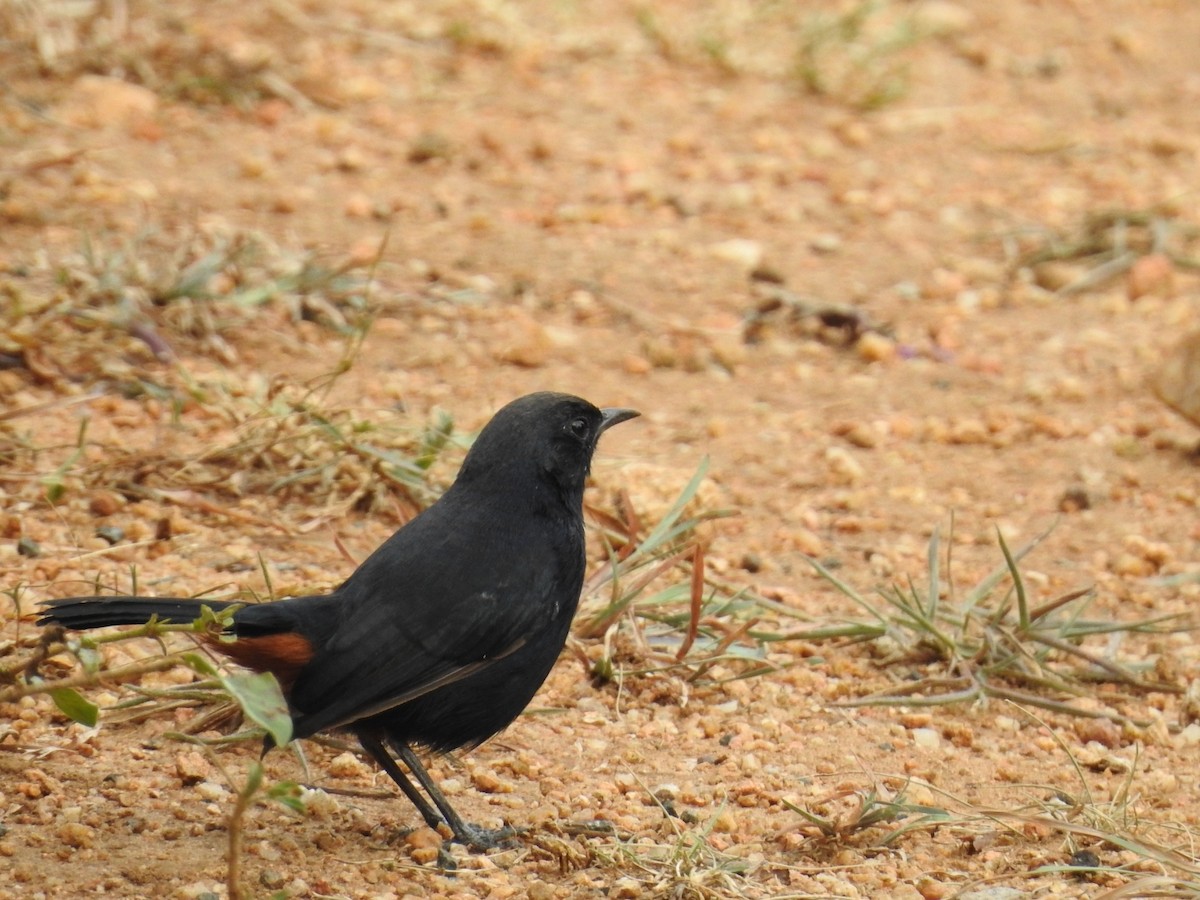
[{"x": 615, "y": 416}]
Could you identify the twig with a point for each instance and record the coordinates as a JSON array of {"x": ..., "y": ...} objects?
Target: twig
[{"x": 90, "y": 679}]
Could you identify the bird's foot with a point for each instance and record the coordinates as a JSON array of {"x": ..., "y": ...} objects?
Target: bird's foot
[
  {"x": 477, "y": 840},
  {"x": 480, "y": 840}
]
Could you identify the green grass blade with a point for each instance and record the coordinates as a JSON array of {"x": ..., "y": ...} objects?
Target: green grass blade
[
  {"x": 847, "y": 590},
  {"x": 931, "y": 606},
  {"x": 1018, "y": 582}
]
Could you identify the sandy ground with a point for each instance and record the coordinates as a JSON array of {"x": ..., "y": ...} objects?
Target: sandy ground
[{"x": 933, "y": 294}]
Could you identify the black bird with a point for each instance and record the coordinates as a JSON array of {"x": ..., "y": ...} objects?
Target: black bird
[{"x": 444, "y": 634}]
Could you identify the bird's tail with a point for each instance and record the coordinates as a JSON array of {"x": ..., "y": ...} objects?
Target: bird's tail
[{"x": 81, "y": 613}]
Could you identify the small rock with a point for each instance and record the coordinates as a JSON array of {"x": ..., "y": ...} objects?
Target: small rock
[
  {"x": 1156, "y": 553},
  {"x": 1074, "y": 499},
  {"x": 271, "y": 112},
  {"x": 111, "y": 534},
  {"x": 1160, "y": 784},
  {"x": 358, "y": 206},
  {"x": 931, "y": 889},
  {"x": 197, "y": 890},
  {"x": 424, "y": 856},
  {"x": 844, "y": 468},
  {"x": 742, "y": 252},
  {"x": 666, "y": 792},
  {"x": 875, "y": 347},
  {"x": 1152, "y": 274},
  {"x": 1189, "y": 736},
  {"x": 271, "y": 880},
  {"x": 826, "y": 243},
  {"x": 1178, "y": 381},
  {"x": 76, "y": 835},
  {"x": 807, "y": 541},
  {"x": 636, "y": 365},
  {"x": 1100, "y": 731},
  {"x": 968, "y": 431},
  {"x": 926, "y": 738},
  {"x": 351, "y": 159},
  {"x": 522, "y": 341},
  {"x": 1056, "y": 275},
  {"x": 192, "y": 768},
  {"x": 487, "y": 783},
  {"x": 939, "y": 18},
  {"x": 99, "y": 102},
  {"x": 317, "y": 803},
  {"x": 428, "y": 146},
  {"x": 725, "y": 822},
  {"x": 210, "y": 791},
  {"x": 767, "y": 275},
  {"x": 423, "y": 838},
  {"x": 996, "y": 892},
  {"x": 1131, "y": 566},
  {"x": 728, "y": 351},
  {"x": 860, "y": 434},
  {"x": 347, "y": 765},
  {"x": 105, "y": 503}
]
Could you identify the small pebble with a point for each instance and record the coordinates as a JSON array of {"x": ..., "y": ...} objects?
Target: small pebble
[
  {"x": 1074, "y": 499},
  {"x": 271, "y": 880},
  {"x": 843, "y": 467},
  {"x": 1152, "y": 274},
  {"x": 73, "y": 834},
  {"x": 191, "y": 767},
  {"x": 423, "y": 838},
  {"x": 487, "y": 783},
  {"x": 875, "y": 347},
  {"x": 347, "y": 765},
  {"x": 745, "y": 253},
  {"x": 210, "y": 791},
  {"x": 105, "y": 503},
  {"x": 1189, "y": 736},
  {"x": 112, "y": 534},
  {"x": 926, "y": 738},
  {"x": 429, "y": 146},
  {"x": 826, "y": 243}
]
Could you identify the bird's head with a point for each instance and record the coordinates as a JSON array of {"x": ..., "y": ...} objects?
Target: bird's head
[{"x": 544, "y": 440}]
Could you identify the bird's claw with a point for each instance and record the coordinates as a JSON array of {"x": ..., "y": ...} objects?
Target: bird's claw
[
  {"x": 477, "y": 840},
  {"x": 480, "y": 840}
]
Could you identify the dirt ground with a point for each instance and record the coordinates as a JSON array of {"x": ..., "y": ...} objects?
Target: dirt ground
[{"x": 917, "y": 273}]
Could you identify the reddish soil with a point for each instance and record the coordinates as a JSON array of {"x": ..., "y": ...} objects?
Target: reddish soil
[{"x": 874, "y": 323}]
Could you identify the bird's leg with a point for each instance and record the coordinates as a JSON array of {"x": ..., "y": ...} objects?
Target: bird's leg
[
  {"x": 379, "y": 753},
  {"x": 471, "y": 836}
]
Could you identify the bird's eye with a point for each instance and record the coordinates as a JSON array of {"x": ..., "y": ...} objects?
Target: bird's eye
[{"x": 578, "y": 427}]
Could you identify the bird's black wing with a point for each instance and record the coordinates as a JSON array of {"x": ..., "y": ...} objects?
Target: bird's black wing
[{"x": 433, "y": 605}]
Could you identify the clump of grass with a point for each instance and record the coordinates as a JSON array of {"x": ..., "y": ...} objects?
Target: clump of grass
[
  {"x": 288, "y": 444},
  {"x": 855, "y": 56},
  {"x": 1107, "y": 243},
  {"x": 655, "y": 591},
  {"x": 687, "y": 867},
  {"x": 1095, "y": 823},
  {"x": 286, "y": 441},
  {"x": 70, "y": 37},
  {"x": 93, "y": 315},
  {"x": 995, "y": 641},
  {"x": 865, "y": 809},
  {"x": 1088, "y": 828}
]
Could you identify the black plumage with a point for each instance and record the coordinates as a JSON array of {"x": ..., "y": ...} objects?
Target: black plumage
[{"x": 443, "y": 634}]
